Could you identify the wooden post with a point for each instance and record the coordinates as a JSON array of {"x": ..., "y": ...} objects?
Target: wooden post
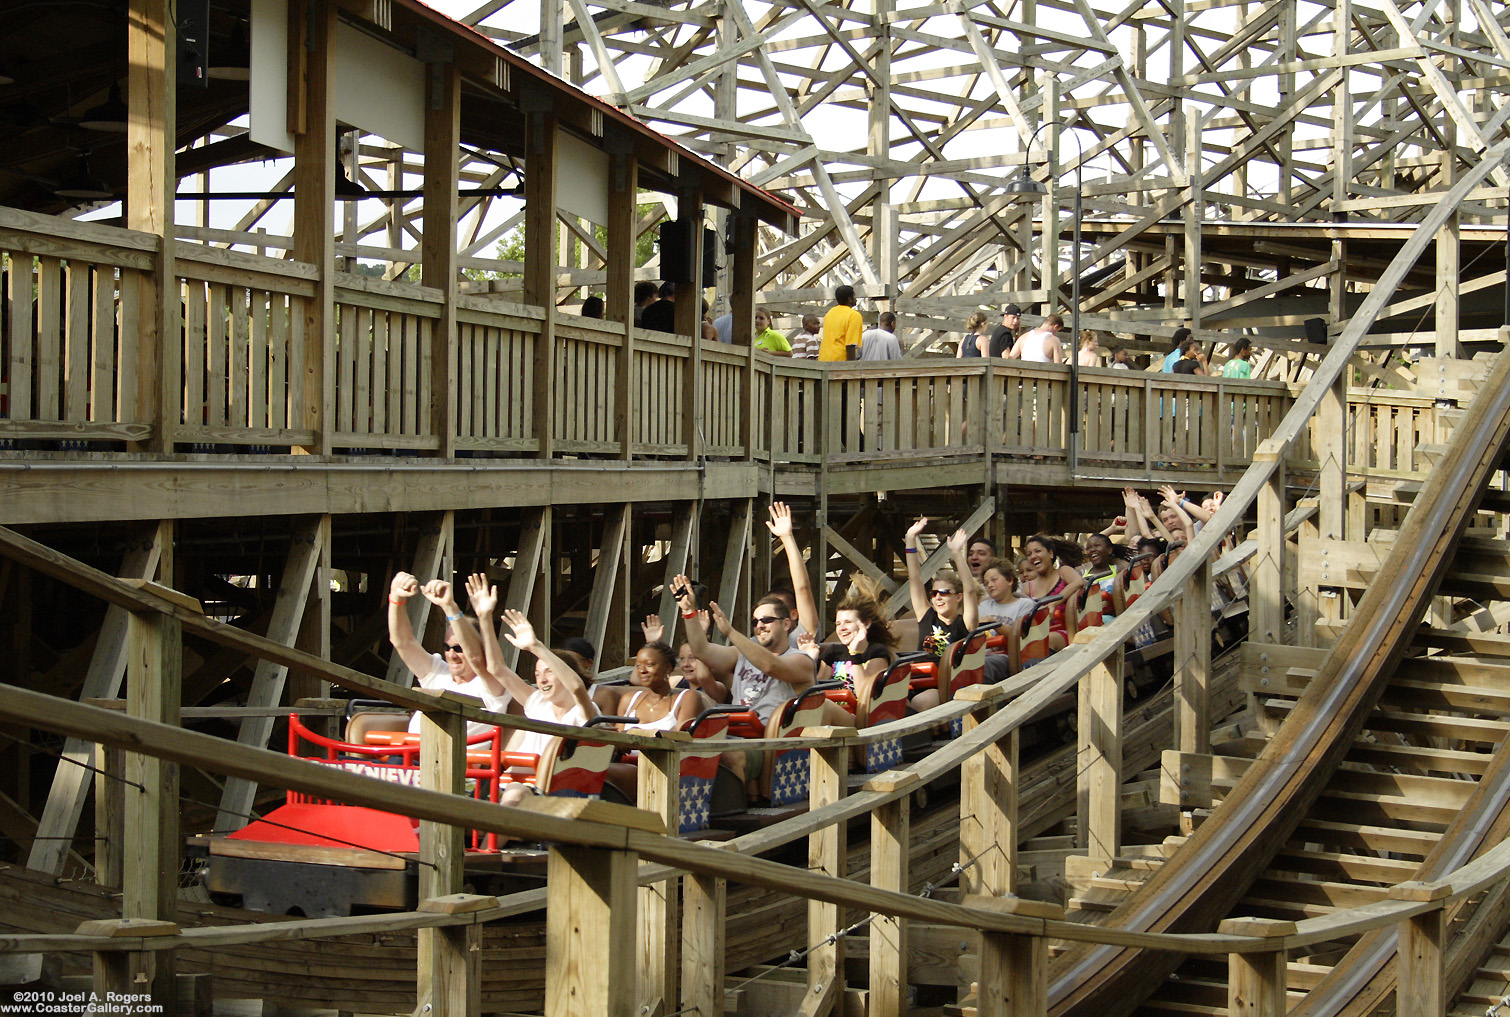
[
  {"x": 438, "y": 243},
  {"x": 704, "y": 901},
  {"x": 540, "y": 267},
  {"x": 988, "y": 808},
  {"x": 1331, "y": 430},
  {"x": 746, "y": 231},
  {"x": 1192, "y": 676},
  {"x": 1014, "y": 967},
  {"x": 1256, "y": 981},
  {"x": 312, "y": 48},
  {"x": 1098, "y": 827},
  {"x": 149, "y": 878},
  {"x": 448, "y": 980},
  {"x": 890, "y": 831},
  {"x": 605, "y": 583},
  {"x": 1266, "y": 585},
  {"x": 151, "y": 180},
  {"x": 1421, "y": 989},
  {"x": 623, "y": 204},
  {"x": 590, "y": 932},
  {"x": 689, "y": 322},
  {"x": 659, "y": 789},
  {"x": 828, "y": 782},
  {"x": 109, "y": 815}
]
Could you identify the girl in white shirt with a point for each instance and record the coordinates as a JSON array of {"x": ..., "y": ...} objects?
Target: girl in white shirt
[{"x": 559, "y": 696}]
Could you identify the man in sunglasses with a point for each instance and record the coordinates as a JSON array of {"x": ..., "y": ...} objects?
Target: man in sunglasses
[
  {"x": 764, "y": 670},
  {"x": 449, "y": 671}
]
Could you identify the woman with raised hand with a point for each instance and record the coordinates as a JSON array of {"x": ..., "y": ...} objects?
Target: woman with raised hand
[
  {"x": 865, "y": 639},
  {"x": 945, "y": 608},
  {"x": 690, "y": 672},
  {"x": 560, "y": 694}
]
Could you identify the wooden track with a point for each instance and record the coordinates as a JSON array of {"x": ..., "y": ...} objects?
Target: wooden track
[{"x": 1306, "y": 775}]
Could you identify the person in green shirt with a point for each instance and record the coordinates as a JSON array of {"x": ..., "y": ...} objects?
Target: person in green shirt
[
  {"x": 767, "y": 338},
  {"x": 1240, "y": 364}
]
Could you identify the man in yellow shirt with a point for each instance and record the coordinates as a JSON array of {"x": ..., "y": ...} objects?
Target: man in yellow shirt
[{"x": 842, "y": 328}]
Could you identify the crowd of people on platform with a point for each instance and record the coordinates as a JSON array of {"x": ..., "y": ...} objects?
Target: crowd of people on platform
[
  {"x": 841, "y": 334},
  {"x": 785, "y": 648}
]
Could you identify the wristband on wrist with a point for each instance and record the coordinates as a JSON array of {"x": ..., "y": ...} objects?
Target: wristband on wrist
[
  {"x": 453, "y": 617},
  {"x": 689, "y": 614},
  {"x": 912, "y": 550},
  {"x": 395, "y": 602}
]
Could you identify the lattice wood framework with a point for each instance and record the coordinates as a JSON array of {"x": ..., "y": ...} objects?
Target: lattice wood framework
[{"x": 1198, "y": 127}]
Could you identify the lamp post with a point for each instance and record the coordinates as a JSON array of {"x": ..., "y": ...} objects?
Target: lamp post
[{"x": 1025, "y": 184}]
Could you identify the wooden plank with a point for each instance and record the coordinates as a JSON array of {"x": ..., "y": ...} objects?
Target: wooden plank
[
  {"x": 238, "y": 357},
  {"x": 218, "y": 346},
  {"x": 686, "y": 515},
  {"x": 659, "y": 793},
  {"x": 257, "y": 354},
  {"x": 102, "y": 404},
  {"x": 605, "y": 578},
  {"x": 828, "y": 778},
  {"x": 196, "y": 341},
  {"x": 704, "y": 904},
  {"x": 49, "y": 337},
  {"x": 1192, "y": 662},
  {"x": 529, "y": 559},
  {"x": 76, "y": 344},
  {"x": 278, "y": 405}
]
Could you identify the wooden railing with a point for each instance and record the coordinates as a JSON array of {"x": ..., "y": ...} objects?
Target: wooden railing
[{"x": 242, "y": 351}]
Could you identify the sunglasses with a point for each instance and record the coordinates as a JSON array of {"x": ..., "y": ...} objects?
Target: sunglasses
[
  {"x": 452, "y": 647},
  {"x": 764, "y": 619},
  {"x": 940, "y": 593}
]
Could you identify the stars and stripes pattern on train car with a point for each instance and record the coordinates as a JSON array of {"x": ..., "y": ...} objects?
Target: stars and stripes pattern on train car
[
  {"x": 965, "y": 665},
  {"x": 697, "y": 774},
  {"x": 880, "y": 701},
  {"x": 788, "y": 768},
  {"x": 573, "y": 768}
]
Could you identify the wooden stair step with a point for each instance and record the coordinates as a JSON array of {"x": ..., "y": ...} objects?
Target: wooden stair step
[
  {"x": 1417, "y": 725},
  {"x": 1420, "y": 757},
  {"x": 1320, "y": 892},
  {"x": 1364, "y": 868},
  {"x": 1448, "y": 792},
  {"x": 1415, "y": 843},
  {"x": 1383, "y": 810}
]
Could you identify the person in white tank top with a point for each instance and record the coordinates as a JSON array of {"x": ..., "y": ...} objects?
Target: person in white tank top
[
  {"x": 654, "y": 705},
  {"x": 1041, "y": 345}
]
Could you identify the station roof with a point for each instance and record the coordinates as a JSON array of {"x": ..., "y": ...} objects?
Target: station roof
[{"x": 64, "y": 59}]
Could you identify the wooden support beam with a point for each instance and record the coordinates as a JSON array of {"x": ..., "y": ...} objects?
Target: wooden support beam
[
  {"x": 149, "y": 879},
  {"x": 890, "y": 849},
  {"x": 107, "y": 667},
  {"x": 606, "y": 578},
  {"x": 150, "y": 298},
  {"x": 826, "y": 851},
  {"x": 1256, "y": 981},
  {"x": 865, "y": 565},
  {"x": 299, "y": 572},
  {"x": 659, "y": 788},
  {"x": 1192, "y": 663},
  {"x": 623, "y": 229},
  {"x": 540, "y": 263},
  {"x": 311, "y": 97},
  {"x": 745, "y": 233},
  {"x": 438, "y": 241},
  {"x": 448, "y": 972},
  {"x": 590, "y": 932},
  {"x": 704, "y": 903},
  {"x": 1098, "y": 762},
  {"x": 676, "y": 563},
  {"x": 529, "y": 558},
  {"x": 733, "y": 581}
]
